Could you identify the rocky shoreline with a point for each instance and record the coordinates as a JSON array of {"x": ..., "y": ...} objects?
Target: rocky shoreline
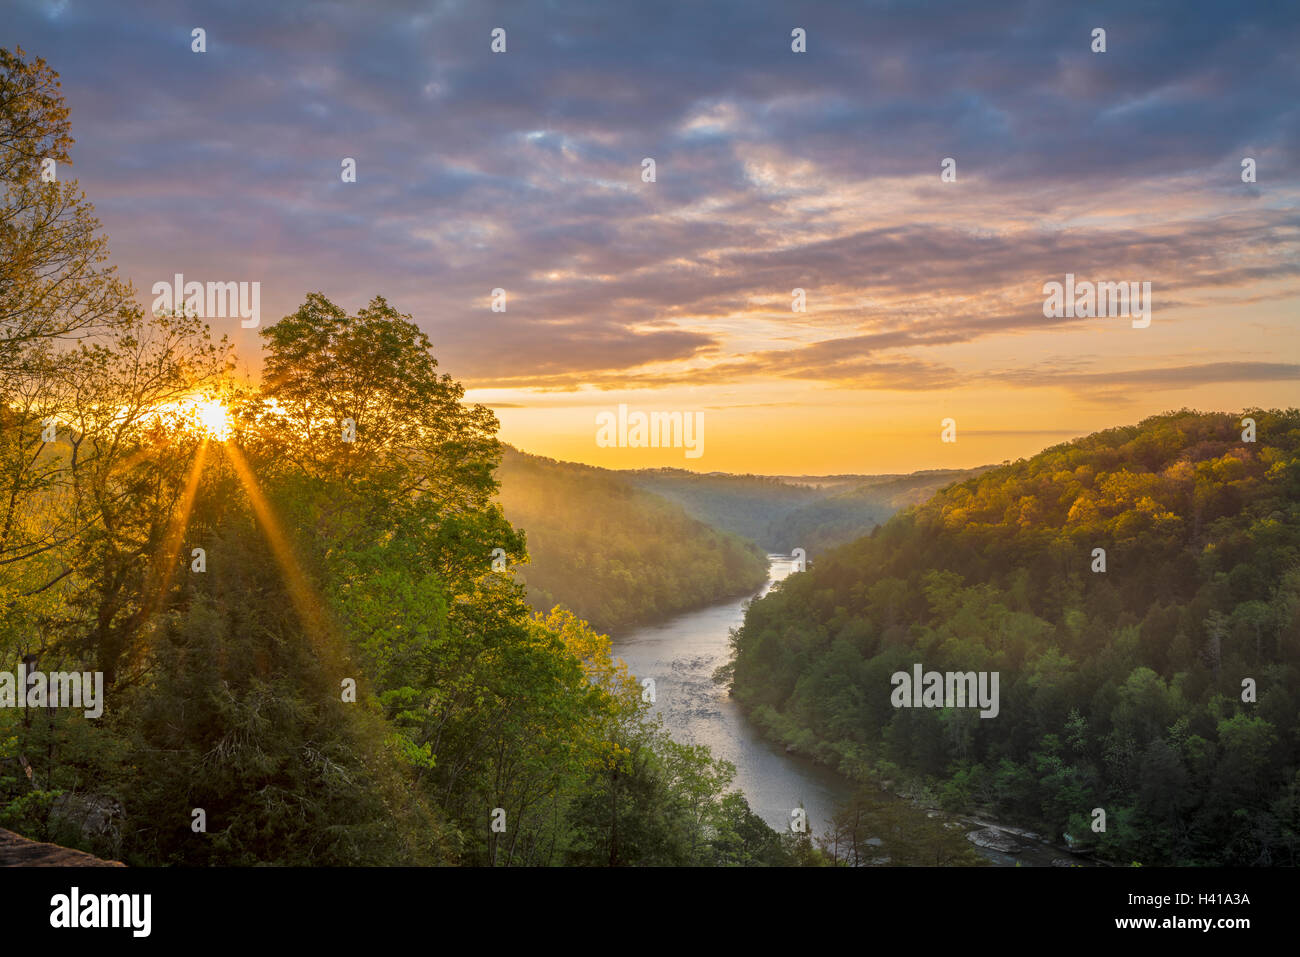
[{"x": 1010, "y": 846}]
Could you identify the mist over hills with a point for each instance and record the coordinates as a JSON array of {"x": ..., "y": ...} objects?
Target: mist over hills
[
  {"x": 622, "y": 548},
  {"x": 781, "y": 513},
  {"x": 613, "y": 553}
]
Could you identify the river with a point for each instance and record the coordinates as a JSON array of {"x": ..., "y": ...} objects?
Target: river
[{"x": 681, "y": 654}]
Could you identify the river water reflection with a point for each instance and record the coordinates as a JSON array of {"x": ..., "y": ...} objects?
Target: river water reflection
[{"x": 681, "y": 655}]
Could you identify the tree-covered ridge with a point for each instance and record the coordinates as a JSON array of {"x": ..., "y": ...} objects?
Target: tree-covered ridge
[
  {"x": 745, "y": 505},
  {"x": 849, "y": 513},
  {"x": 782, "y": 513},
  {"x": 613, "y": 553},
  {"x": 1121, "y": 690}
]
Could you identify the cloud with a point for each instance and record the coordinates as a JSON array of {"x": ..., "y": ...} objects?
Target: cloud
[
  {"x": 775, "y": 170},
  {"x": 1155, "y": 379}
]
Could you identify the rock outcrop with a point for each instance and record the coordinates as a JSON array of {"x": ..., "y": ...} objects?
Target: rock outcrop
[{"x": 17, "y": 851}]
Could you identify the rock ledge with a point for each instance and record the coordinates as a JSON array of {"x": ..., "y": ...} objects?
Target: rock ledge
[{"x": 17, "y": 851}]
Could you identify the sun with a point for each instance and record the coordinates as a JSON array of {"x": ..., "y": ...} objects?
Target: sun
[
  {"x": 207, "y": 416},
  {"x": 213, "y": 418}
]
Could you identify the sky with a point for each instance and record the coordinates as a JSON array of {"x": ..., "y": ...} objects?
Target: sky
[{"x": 774, "y": 170}]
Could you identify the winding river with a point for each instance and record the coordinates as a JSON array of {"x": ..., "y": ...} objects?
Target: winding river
[{"x": 681, "y": 654}]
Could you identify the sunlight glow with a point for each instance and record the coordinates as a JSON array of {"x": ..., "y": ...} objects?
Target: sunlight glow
[
  {"x": 166, "y": 563},
  {"x": 309, "y": 607},
  {"x": 213, "y": 419},
  {"x": 207, "y": 416}
]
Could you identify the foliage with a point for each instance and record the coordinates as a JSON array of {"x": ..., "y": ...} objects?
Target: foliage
[{"x": 1121, "y": 690}]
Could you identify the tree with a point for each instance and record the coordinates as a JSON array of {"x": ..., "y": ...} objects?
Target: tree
[{"x": 53, "y": 281}]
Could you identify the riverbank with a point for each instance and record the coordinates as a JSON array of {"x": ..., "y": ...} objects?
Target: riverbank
[{"x": 681, "y": 655}]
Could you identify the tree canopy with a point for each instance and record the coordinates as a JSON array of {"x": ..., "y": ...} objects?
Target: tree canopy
[{"x": 1161, "y": 689}]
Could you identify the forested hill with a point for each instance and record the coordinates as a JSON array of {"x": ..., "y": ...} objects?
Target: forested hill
[
  {"x": 852, "y": 511},
  {"x": 615, "y": 554},
  {"x": 1164, "y": 690},
  {"x": 781, "y": 513},
  {"x": 743, "y": 504}
]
